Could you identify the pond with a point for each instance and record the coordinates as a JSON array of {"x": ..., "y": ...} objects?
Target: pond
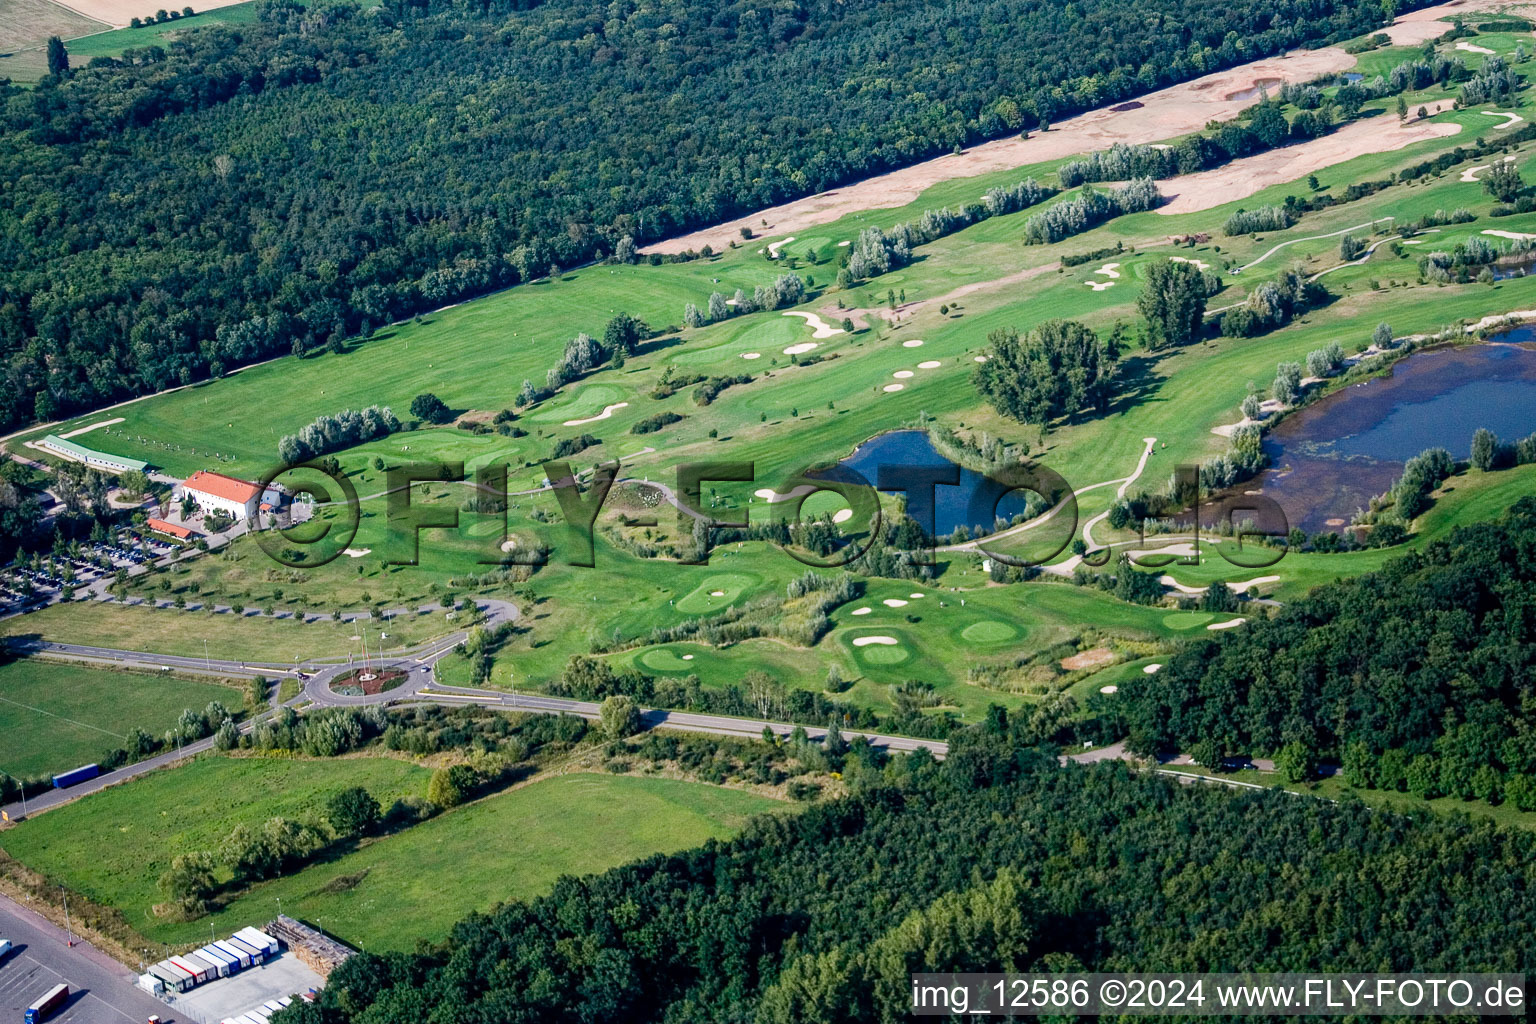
[
  {"x": 952, "y": 504},
  {"x": 1331, "y": 458}
]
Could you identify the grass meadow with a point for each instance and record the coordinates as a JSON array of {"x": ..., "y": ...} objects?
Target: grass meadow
[
  {"x": 57, "y": 716},
  {"x": 388, "y": 892}
]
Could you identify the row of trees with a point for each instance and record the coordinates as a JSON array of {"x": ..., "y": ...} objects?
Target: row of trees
[
  {"x": 333, "y": 433},
  {"x": 786, "y": 290},
  {"x": 1090, "y": 209}
]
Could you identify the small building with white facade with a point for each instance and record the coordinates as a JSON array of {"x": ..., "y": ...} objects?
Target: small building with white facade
[{"x": 215, "y": 492}]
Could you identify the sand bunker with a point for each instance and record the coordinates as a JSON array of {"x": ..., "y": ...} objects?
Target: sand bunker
[
  {"x": 819, "y": 327},
  {"x": 843, "y": 243},
  {"x": 1099, "y": 286},
  {"x": 769, "y": 494},
  {"x": 1197, "y": 264},
  {"x": 1095, "y": 658},
  {"x": 1462, "y": 44},
  {"x": 884, "y": 641},
  {"x": 1164, "y": 114},
  {"x": 356, "y": 552},
  {"x": 894, "y": 602},
  {"x": 979, "y": 359},
  {"x": 86, "y": 430},
  {"x": 1190, "y": 193},
  {"x": 508, "y": 545},
  {"x": 862, "y": 611},
  {"x": 751, "y": 355},
  {"x": 1226, "y": 625},
  {"x": 892, "y": 387},
  {"x": 687, "y": 657},
  {"x": 916, "y": 597},
  {"x": 774, "y": 247},
  {"x": 607, "y": 411},
  {"x": 842, "y": 515},
  {"x": 1152, "y": 668},
  {"x": 800, "y": 349},
  {"x": 1109, "y": 270},
  {"x": 1470, "y": 174},
  {"x": 929, "y": 364},
  {"x": 1512, "y": 119},
  {"x": 1516, "y": 235},
  {"x": 717, "y": 593},
  {"x": 1111, "y": 688},
  {"x": 913, "y": 343},
  {"x": 1239, "y": 588},
  {"x": 902, "y": 374}
]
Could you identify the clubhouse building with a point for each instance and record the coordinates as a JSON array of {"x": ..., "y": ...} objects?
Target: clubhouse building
[{"x": 215, "y": 492}]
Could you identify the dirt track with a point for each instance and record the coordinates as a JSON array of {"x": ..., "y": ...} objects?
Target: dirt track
[{"x": 1170, "y": 112}]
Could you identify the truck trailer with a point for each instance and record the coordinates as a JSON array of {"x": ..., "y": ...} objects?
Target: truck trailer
[
  {"x": 241, "y": 956},
  {"x": 44, "y": 1007},
  {"x": 199, "y": 971},
  {"x": 257, "y": 953},
  {"x": 223, "y": 962},
  {"x": 75, "y": 776}
]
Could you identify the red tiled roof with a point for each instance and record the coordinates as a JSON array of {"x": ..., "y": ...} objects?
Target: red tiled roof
[
  {"x": 171, "y": 529},
  {"x": 221, "y": 486}
]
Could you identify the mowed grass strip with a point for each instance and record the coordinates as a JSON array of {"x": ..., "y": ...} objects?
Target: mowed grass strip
[{"x": 56, "y": 716}]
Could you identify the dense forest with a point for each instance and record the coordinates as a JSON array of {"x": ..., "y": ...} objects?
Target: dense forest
[
  {"x": 1419, "y": 677},
  {"x": 254, "y": 190},
  {"x": 996, "y": 859}
]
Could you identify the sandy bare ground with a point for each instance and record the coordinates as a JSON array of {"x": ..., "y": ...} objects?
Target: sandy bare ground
[
  {"x": 118, "y": 13},
  {"x": 1164, "y": 114},
  {"x": 1421, "y": 26},
  {"x": 1177, "y": 110},
  {"x": 1239, "y": 179}
]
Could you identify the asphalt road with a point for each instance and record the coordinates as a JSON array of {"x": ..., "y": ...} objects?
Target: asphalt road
[
  {"x": 101, "y": 989},
  {"x": 418, "y": 688}
]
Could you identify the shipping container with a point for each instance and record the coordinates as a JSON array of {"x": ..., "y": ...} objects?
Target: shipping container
[
  {"x": 227, "y": 963},
  {"x": 240, "y": 955},
  {"x": 44, "y": 1007},
  {"x": 217, "y": 967},
  {"x": 76, "y": 776},
  {"x": 254, "y": 951}
]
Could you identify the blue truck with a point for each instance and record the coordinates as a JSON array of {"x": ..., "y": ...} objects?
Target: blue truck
[
  {"x": 75, "y": 776},
  {"x": 44, "y": 1007}
]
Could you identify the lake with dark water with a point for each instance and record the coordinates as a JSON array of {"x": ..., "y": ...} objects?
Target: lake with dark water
[
  {"x": 1329, "y": 459},
  {"x": 953, "y": 504}
]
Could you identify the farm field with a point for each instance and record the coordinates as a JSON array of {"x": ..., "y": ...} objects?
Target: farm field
[
  {"x": 25, "y": 26},
  {"x": 57, "y": 716},
  {"x": 508, "y": 846}
]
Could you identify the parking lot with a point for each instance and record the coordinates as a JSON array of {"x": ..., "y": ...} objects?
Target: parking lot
[
  {"x": 34, "y": 582},
  {"x": 101, "y": 991}
]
